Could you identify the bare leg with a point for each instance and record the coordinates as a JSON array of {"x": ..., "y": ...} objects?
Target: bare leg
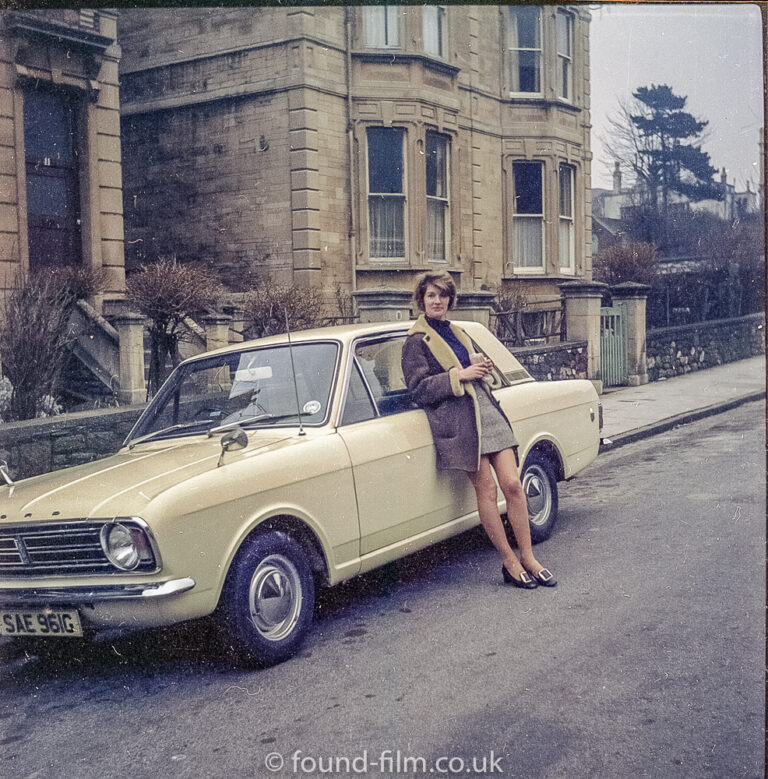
[
  {"x": 505, "y": 465},
  {"x": 488, "y": 509}
]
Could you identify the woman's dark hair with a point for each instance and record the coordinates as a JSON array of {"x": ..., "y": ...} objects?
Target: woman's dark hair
[{"x": 442, "y": 280}]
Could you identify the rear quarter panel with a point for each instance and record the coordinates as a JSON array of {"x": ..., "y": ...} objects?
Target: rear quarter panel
[{"x": 564, "y": 412}]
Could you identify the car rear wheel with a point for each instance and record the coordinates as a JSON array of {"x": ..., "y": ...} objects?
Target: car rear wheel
[
  {"x": 540, "y": 488},
  {"x": 268, "y": 600}
]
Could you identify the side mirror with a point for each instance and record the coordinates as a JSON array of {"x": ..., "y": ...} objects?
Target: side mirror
[{"x": 231, "y": 441}]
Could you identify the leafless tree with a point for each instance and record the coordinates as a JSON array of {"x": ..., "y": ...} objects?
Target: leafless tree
[
  {"x": 35, "y": 337},
  {"x": 167, "y": 292}
]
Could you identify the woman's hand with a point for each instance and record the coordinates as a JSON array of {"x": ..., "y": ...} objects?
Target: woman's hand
[{"x": 476, "y": 371}]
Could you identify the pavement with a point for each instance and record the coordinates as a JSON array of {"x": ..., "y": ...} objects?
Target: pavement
[{"x": 632, "y": 413}]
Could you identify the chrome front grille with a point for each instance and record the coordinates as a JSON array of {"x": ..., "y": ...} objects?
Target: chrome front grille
[{"x": 54, "y": 549}]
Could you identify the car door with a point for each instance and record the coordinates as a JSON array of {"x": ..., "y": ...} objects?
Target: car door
[{"x": 400, "y": 493}]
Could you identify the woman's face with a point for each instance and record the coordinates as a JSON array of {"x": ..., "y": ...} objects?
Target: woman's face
[{"x": 435, "y": 302}]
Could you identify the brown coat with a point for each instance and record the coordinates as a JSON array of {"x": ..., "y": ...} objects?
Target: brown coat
[{"x": 431, "y": 371}]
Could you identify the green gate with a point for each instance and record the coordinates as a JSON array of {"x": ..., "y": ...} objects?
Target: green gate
[{"x": 613, "y": 347}]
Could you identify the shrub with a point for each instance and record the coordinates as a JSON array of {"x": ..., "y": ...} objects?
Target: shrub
[
  {"x": 627, "y": 261},
  {"x": 266, "y": 307},
  {"x": 35, "y": 337},
  {"x": 167, "y": 292},
  {"x": 78, "y": 281}
]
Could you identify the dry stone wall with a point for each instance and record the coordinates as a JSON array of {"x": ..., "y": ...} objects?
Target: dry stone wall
[{"x": 673, "y": 351}]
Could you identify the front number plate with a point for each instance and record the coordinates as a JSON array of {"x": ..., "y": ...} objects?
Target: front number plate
[{"x": 46, "y": 622}]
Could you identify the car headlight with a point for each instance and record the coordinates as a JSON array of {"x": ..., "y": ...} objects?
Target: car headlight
[{"x": 125, "y": 546}]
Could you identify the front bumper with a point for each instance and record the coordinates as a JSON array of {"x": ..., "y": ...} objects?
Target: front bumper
[{"x": 105, "y": 592}]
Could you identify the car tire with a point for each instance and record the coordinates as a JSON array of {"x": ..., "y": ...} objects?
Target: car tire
[
  {"x": 540, "y": 487},
  {"x": 268, "y": 599}
]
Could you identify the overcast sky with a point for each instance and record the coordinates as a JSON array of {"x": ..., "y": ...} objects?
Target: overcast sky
[{"x": 710, "y": 53}]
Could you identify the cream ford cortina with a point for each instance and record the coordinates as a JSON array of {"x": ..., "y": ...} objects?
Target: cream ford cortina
[{"x": 257, "y": 473}]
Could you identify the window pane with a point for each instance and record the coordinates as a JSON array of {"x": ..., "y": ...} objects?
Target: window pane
[
  {"x": 566, "y": 191},
  {"x": 524, "y": 27},
  {"x": 433, "y": 26},
  {"x": 565, "y": 79},
  {"x": 436, "y": 165},
  {"x": 528, "y": 243},
  {"x": 385, "y": 160},
  {"x": 566, "y": 251},
  {"x": 380, "y": 362},
  {"x": 358, "y": 405},
  {"x": 528, "y": 191},
  {"x": 564, "y": 34},
  {"x": 525, "y": 71},
  {"x": 48, "y": 128},
  {"x": 387, "y": 226},
  {"x": 380, "y": 26},
  {"x": 375, "y": 26},
  {"x": 436, "y": 210},
  {"x": 393, "y": 28}
]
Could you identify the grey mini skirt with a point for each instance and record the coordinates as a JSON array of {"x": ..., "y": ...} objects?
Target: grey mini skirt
[{"x": 496, "y": 434}]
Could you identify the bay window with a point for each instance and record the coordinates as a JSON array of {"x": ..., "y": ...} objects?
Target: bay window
[
  {"x": 564, "y": 55},
  {"x": 386, "y": 192},
  {"x": 524, "y": 46},
  {"x": 566, "y": 235},
  {"x": 528, "y": 215},
  {"x": 381, "y": 26}
]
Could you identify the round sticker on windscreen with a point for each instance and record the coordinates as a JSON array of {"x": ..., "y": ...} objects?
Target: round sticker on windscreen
[{"x": 311, "y": 407}]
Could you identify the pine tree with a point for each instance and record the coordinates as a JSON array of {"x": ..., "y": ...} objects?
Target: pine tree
[{"x": 661, "y": 143}]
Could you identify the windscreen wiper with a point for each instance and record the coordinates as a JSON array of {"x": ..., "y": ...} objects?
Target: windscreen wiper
[
  {"x": 250, "y": 421},
  {"x": 162, "y": 431}
]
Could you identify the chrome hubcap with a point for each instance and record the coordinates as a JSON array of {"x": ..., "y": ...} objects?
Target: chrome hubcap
[
  {"x": 274, "y": 597},
  {"x": 537, "y": 494}
]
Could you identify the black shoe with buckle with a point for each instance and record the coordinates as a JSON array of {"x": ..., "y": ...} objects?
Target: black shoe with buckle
[
  {"x": 525, "y": 581},
  {"x": 544, "y": 578}
]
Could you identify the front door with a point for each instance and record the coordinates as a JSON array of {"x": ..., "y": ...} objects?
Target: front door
[{"x": 53, "y": 192}]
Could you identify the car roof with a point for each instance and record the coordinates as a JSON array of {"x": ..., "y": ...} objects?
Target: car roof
[{"x": 343, "y": 333}]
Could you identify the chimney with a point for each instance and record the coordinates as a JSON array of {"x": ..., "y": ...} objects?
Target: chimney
[
  {"x": 723, "y": 177},
  {"x": 616, "y": 177}
]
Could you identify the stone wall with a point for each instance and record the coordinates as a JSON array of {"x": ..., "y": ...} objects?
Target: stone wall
[
  {"x": 672, "y": 351},
  {"x": 554, "y": 362},
  {"x": 41, "y": 445}
]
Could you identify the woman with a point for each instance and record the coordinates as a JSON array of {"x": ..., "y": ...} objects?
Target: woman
[{"x": 469, "y": 428}]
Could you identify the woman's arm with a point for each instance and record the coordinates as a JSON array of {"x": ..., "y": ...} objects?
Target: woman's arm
[{"x": 426, "y": 386}]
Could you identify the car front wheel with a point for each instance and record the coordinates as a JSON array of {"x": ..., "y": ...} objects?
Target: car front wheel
[
  {"x": 540, "y": 488},
  {"x": 267, "y": 603}
]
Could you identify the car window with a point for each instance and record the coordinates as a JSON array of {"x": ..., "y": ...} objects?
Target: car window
[
  {"x": 252, "y": 386},
  {"x": 358, "y": 405},
  {"x": 379, "y": 362}
]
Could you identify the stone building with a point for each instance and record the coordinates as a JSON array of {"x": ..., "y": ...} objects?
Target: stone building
[
  {"x": 355, "y": 147},
  {"x": 60, "y": 178}
]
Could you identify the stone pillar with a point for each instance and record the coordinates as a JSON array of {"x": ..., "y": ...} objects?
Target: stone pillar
[
  {"x": 383, "y": 304},
  {"x": 130, "y": 330},
  {"x": 582, "y": 321},
  {"x": 631, "y": 296},
  {"x": 237, "y": 326},
  {"x": 216, "y": 331},
  {"x": 475, "y": 306}
]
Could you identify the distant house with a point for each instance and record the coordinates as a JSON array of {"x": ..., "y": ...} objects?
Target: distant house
[{"x": 610, "y": 207}]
